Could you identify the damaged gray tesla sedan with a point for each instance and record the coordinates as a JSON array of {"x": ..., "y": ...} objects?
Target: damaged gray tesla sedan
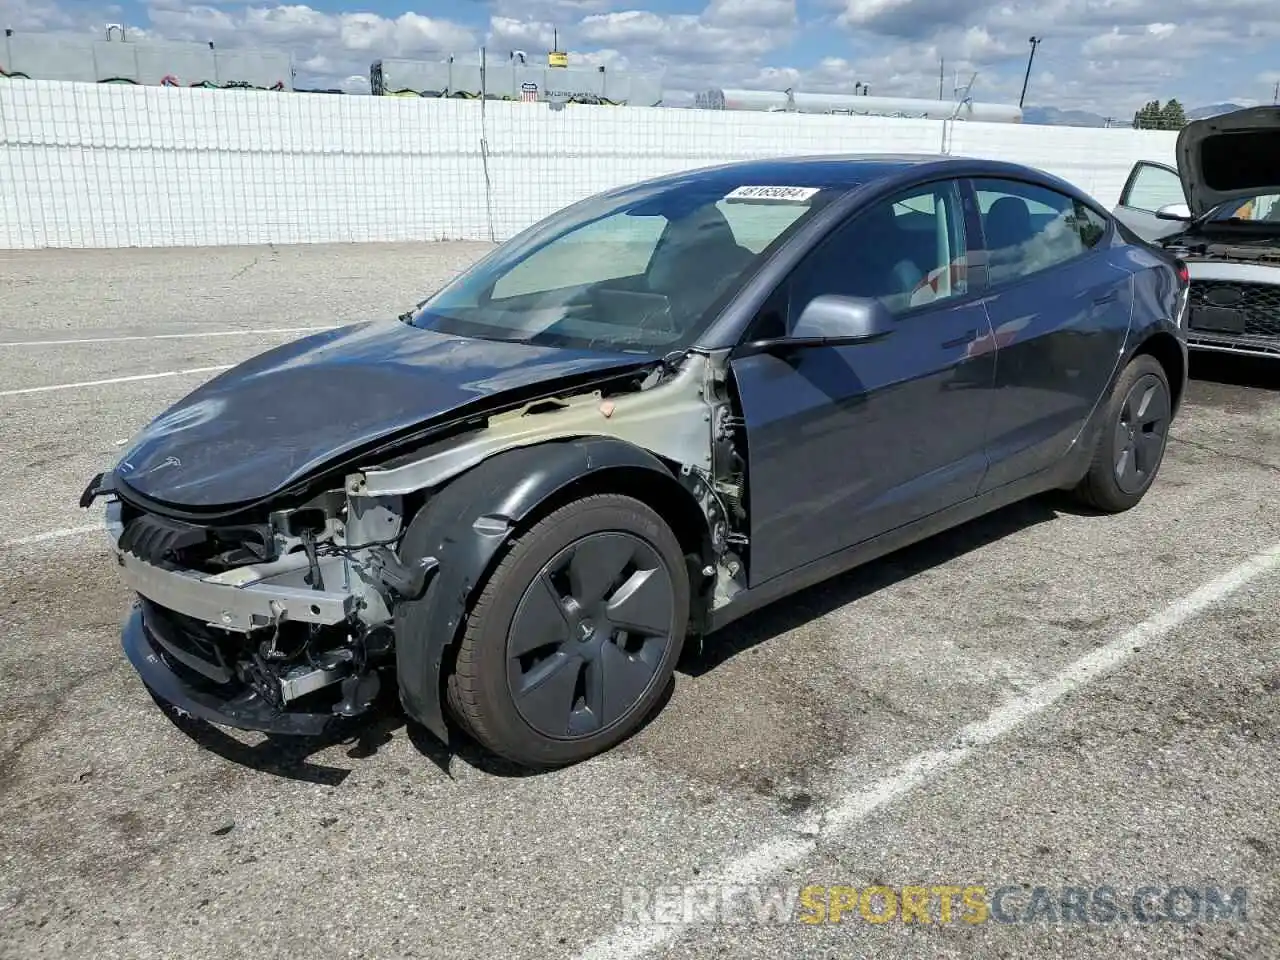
[{"x": 635, "y": 422}]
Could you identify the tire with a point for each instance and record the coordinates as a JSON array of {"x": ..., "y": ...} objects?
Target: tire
[
  {"x": 550, "y": 613},
  {"x": 1132, "y": 441}
]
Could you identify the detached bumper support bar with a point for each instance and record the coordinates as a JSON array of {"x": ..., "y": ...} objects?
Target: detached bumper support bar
[{"x": 240, "y": 608}]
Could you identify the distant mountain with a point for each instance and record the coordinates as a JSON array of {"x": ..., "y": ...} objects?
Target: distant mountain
[
  {"x": 1199, "y": 113},
  {"x": 1054, "y": 117}
]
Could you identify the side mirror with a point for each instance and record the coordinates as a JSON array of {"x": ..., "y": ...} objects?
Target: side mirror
[
  {"x": 830, "y": 320},
  {"x": 1174, "y": 211}
]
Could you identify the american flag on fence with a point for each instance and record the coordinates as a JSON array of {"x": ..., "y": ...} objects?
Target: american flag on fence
[{"x": 529, "y": 92}]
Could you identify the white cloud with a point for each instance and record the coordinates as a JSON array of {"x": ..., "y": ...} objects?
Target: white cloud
[
  {"x": 1108, "y": 56},
  {"x": 751, "y": 13},
  {"x": 726, "y": 32},
  {"x": 49, "y": 15},
  {"x": 328, "y": 48},
  {"x": 534, "y": 37},
  {"x": 299, "y": 25}
]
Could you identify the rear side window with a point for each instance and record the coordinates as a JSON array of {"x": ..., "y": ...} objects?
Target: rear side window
[
  {"x": 1030, "y": 228},
  {"x": 1090, "y": 224}
]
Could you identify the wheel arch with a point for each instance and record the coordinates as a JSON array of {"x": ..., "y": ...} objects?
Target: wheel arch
[
  {"x": 467, "y": 525},
  {"x": 1171, "y": 355}
]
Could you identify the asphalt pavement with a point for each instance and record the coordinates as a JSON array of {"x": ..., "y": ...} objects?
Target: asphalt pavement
[{"x": 1040, "y": 706}]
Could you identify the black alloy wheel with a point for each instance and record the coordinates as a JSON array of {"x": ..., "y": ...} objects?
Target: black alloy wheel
[
  {"x": 590, "y": 634},
  {"x": 574, "y": 638},
  {"x": 1133, "y": 438},
  {"x": 1141, "y": 433}
]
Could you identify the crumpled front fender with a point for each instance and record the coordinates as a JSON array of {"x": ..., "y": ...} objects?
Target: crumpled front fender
[{"x": 463, "y": 527}]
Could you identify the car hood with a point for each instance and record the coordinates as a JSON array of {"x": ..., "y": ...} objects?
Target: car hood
[
  {"x": 273, "y": 420},
  {"x": 1231, "y": 156}
]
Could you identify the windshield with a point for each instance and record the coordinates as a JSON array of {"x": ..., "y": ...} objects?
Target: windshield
[
  {"x": 1264, "y": 208},
  {"x": 637, "y": 270}
]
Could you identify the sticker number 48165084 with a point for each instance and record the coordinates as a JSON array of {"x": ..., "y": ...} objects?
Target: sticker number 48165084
[{"x": 772, "y": 194}]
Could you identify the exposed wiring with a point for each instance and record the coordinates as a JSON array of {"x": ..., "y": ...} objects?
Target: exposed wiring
[
  {"x": 314, "y": 577},
  {"x": 353, "y": 547}
]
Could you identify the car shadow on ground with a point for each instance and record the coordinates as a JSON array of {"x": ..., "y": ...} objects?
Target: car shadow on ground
[
  {"x": 830, "y": 595},
  {"x": 292, "y": 757}
]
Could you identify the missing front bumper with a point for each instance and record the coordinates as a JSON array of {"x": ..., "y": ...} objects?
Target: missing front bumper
[{"x": 198, "y": 693}]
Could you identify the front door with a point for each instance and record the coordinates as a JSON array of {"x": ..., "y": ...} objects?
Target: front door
[
  {"x": 845, "y": 443},
  {"x": 1151, "y": 186}
]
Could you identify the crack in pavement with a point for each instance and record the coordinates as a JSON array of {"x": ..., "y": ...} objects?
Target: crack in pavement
[
  {"x": 42, "y": 724},
  {"x": 1238, "y": 457},
  {"x": 275, "y": 255}
]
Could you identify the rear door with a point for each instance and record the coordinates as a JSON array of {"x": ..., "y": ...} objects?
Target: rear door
[
  {"x": 1151, "y": 186},
  {"x": 1059, "y": 295}
]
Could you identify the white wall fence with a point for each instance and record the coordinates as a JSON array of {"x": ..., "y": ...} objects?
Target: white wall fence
[{"x": 87, "y": 165}]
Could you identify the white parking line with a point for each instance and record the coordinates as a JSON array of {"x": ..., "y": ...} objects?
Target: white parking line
[
  {"x": 54, "y": 535},
  {"x": 858, "y": 803},
  {"x": 167, "y": 336},
  {"x": 103, "y": 383}
]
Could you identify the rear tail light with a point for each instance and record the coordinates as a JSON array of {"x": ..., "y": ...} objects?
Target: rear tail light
[{"x": 1184, "y": 293}]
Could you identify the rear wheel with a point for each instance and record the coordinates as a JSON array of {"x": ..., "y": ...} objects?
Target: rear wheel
[
  {"x": 574, "y": 638},
  {"x": 1132, "y": 442}
]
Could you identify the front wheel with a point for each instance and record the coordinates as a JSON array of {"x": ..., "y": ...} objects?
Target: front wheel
[
  {"x": 1132, "y": 442},
  {"x": 575, "y": 636}
]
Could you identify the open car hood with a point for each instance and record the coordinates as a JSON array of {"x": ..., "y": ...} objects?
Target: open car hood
[
  {"x": 279, "y": 417},
  {"x": 1232, "y": 156}
]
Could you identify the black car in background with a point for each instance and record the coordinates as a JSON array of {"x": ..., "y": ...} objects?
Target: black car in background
[{"x": 1219, "y": 212}]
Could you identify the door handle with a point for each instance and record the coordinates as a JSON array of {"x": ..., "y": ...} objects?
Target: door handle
[
  {"x": 967, "y": 337},
  {"x": 1106, "y": 298}
]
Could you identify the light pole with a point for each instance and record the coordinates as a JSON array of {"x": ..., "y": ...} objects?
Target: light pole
[{"x": 1035, "y": 42}]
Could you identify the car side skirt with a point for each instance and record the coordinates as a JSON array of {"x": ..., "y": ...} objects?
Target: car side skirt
[{"x": 1063, "y": 474}]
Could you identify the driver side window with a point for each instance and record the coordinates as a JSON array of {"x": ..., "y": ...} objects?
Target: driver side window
[{"x": 907, "y": 251}]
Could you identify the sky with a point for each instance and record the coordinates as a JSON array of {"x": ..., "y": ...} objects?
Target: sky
[{"x": 1105, "y": 56}]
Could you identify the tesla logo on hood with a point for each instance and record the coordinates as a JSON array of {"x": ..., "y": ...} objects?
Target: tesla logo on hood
[{"x": 166, "y": 462}]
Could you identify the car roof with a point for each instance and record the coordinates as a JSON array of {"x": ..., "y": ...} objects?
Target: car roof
[
  {"x": 839, "y": 171},
  {"x": 854, "y": 172}
]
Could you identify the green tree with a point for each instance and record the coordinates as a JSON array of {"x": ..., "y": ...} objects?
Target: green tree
[
  {"x": 1175, "y": 118},
  {"x": 1153, "y": 116},
  {"x": 1150, "y": 117}
]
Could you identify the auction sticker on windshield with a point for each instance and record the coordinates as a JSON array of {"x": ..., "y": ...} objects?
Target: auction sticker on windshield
[{"x": 773, "y": 194}]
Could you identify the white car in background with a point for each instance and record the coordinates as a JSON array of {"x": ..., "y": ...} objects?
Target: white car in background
[{"x": 1219, "y": 212}]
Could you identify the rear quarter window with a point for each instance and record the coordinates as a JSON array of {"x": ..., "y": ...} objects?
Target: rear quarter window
[{"x": 1029, "y": 228}]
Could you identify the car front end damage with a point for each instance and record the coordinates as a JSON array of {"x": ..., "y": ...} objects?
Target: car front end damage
[
  {"x": 281, "y": 626},
  {"x": 283, "y": 619}
]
